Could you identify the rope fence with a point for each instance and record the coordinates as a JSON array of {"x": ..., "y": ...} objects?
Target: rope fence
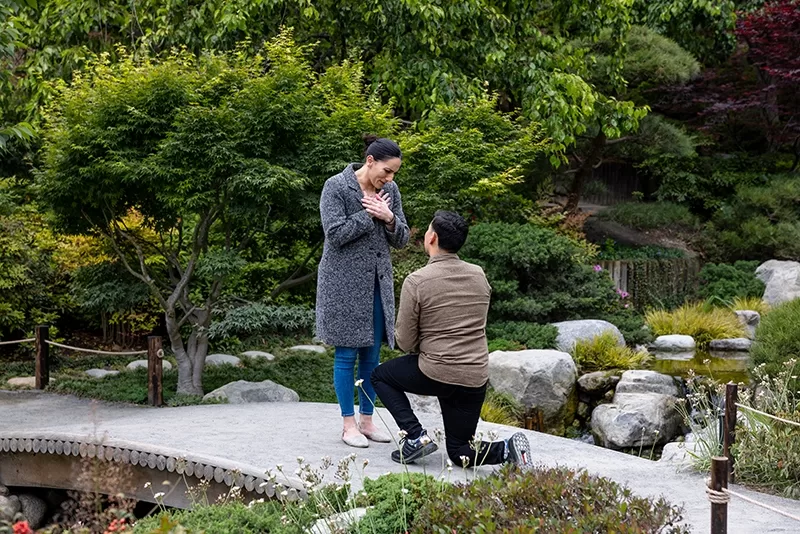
[
  {"x": 93, "y": 351},
  {"x": 775, "y": 417},
  {"x": 18, "y": 341},
  {"x": 724, "y": 496},
  {"x": 154, "y": 352}
]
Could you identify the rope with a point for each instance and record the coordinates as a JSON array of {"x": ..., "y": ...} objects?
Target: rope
[
  {"x": 781, "y": 419},
  {"x": 724, "y": 497},
  {"x": 17, "y": 341},
  {"x": 106, "y": 353}
]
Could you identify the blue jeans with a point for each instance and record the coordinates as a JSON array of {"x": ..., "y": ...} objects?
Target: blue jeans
[{"x": 344, "y": 364}]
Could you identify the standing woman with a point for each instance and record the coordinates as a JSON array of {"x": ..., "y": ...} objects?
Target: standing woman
[{"x": 361, "y": 215}]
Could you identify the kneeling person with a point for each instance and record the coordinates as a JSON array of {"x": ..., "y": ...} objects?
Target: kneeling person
[{"x": 442, "y": 324}]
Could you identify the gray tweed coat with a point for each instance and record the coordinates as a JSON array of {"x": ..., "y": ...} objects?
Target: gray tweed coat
[{"x": 356, "y": 251}]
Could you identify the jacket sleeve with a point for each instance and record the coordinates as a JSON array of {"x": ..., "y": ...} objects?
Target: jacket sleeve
[
  {"x": 340, "y": 229},
  {"x": 399, "y": 237},
  {"x": 407, "y": 325}
]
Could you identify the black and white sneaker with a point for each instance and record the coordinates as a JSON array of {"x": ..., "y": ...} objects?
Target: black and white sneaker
[
  {"x": 412, "y": 450},
  {"x": 518, "y": 450}
]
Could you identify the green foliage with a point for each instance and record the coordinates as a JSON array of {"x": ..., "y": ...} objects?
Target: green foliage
[
  {"x": 612, "y": 251},
  {"x": 308, "y": 374},
  {"x": 768, "y": 451},
  {"x": 509, "y": 335},
  {"x": 603, "y": 353},
  {"x": 471, "y": 159},
  {"x": 726, "y": 282},
  {"x": 762, "y": 222},
  {"x": 32, "y": 289},
  {"x": 536, "y": 275},
  {"x": 390, "y": 508},
  {"x": 631, "y": 324},
  {"x": 259, "y": 319},
  {"x": 778, "y": 338},
  {"x": 501, "y": 408},
  {"x": 650, "y": 216},
  {"x": 220, "y": 519},
  {"x": 703, "y": 323},
  {"x": 703, "y": 27},
  {"x": 548, "y": 501}
]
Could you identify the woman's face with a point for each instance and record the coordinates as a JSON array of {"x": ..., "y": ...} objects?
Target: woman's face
[{"x": 382, "y": 172}]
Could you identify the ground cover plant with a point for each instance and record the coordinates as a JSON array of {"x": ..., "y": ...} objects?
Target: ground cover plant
[
  {"x": 778, "y": 338},
  {"x": 650, "y": 215}
]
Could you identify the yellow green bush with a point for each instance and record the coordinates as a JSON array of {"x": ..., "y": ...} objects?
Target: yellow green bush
[
  {"x": 603, "y": 352},
  {"x": 703, "y": 323}
]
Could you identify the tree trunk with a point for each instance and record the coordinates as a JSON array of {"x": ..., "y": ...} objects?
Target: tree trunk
[
  {"x": 584, "y": 172},
  {"x": 185, "y": 363}
]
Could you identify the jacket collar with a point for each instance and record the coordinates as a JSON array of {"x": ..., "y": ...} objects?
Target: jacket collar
[
  {"x": 350, "y": 173},
  {"x": 443, "y": 256}
]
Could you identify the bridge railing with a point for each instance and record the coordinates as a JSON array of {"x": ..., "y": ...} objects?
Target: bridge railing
[{"x": 42, "y": 343}]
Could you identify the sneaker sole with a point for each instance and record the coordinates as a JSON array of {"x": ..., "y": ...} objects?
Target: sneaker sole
[
  {"x": 519, "y": 451},
  {"x": 421, "y": 453}
]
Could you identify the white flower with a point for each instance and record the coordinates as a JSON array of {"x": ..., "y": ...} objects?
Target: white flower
[
  {"x": 359, "y": 382},
  {"x": 402, "y": 434},
  {"x": 299, "y": 459},
  {"x": 158, "y": 495},
  {"x": 449, "y": 463},
  {"x": 405, "y": 491},
  {"x": 166, "y": 483},
  {"x": 279, "y": 467},
  {"x": 284, "y": 493},
  {"x": 147, "y": 485}
]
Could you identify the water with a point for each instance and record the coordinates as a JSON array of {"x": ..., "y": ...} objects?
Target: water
[{"x": 721, "y": 366}]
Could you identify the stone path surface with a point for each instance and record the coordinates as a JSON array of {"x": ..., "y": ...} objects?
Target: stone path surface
[{"x": 264, "y": 435}]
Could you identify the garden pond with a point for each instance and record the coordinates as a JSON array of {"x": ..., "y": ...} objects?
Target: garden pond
[{"x": 721, "y": 366}]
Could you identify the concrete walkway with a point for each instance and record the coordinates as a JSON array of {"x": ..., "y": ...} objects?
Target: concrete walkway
[{"x": 264, "y": 435}]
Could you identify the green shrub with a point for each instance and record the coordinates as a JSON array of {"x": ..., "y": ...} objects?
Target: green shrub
[
  {"x": 613, "y": 251},
  {"x": 391, "y": 509},
  {"x": 545, "y": 501},
  {"x": 760, "y": 223},
  {"x": 778, "y": 337},
  {"x": 536, "y": 275},
  {"x": 631, "y": 324},
  {"x": 514, "y": 333},
  {"x": 603, "y": 352},
  {"x": 703, "y": 323},
  {"x": 501, "y": 408},
  {"x": 222, "y": 519},
  {"x": 727, "y": 281},
  {"x": 768, "y": 451},
  {"x": 259, "y": 319},
  {"x": 649, "y": 216}
]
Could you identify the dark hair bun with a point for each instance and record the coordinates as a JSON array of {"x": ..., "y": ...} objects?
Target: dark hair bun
[{"x": 380, "y": 148}]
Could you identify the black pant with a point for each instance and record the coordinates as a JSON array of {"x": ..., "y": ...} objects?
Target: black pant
[{"x": 461, "y": 408}]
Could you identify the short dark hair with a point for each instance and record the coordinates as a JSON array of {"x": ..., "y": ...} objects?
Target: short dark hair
[
  {"x": 452, "y": 230},
  {"x": 381, "y": 148}
]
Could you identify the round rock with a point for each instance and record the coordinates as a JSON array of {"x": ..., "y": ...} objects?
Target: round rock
[
  {"x": 308, "y": 348},
  {"x": 142, "y": 364},
  {"x": 673, "y": 343},
  {"x": 222, "y": 359},
  {"x": 258, "y": 355},
  {"x": 570, "y": 332},
  {"x": 101, "y": 373}
]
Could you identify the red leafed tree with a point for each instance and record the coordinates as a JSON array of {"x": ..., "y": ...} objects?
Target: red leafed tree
[{"x": 772, "y": 36}]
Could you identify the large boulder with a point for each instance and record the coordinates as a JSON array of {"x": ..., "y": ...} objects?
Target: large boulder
[
  {"x": 640, "y": 381},
  {"x": 750, "y": 320},
  {"x": 244, "y": 392},
  {"x": 570, "y": 332},
  {"x": 9, "y": 507},
  {"x": 541, "y": 379},
  {"x": 597, "y": 383},
  {"x": 636, "y": 420},
  {"x": 673, "y": 343},
  {"x": 34, "y": 509},
  {"x": 642, "y": 412},
  {"x": 735, "y": 344},
  {"x": 782, "y": 279}
]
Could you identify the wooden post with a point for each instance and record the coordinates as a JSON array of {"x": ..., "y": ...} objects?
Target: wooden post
[
  {"x": 42, "y": 357},
  {"x": 719, "y": 480},
  {"x": 729, "y": 430},
  {"x": 155, "y": 390},
  {"x": 540, "y": 420}
]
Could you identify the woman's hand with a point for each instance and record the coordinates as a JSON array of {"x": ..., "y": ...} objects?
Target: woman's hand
[{"x": 379, "y": 207}]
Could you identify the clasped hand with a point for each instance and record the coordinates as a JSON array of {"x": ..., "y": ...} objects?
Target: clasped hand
[{"x": 379, "y": 206}]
